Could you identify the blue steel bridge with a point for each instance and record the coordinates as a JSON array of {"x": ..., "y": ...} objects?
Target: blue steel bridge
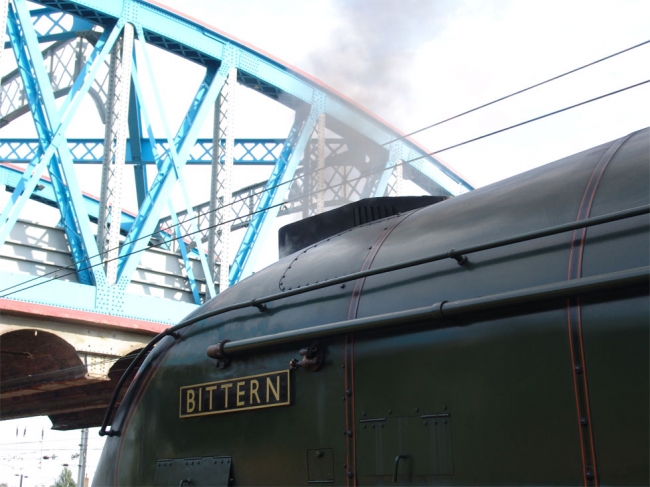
[{"x": 78, "y": 297}]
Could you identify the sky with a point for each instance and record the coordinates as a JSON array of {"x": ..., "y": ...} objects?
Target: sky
[{"x": 413, "y": 63}]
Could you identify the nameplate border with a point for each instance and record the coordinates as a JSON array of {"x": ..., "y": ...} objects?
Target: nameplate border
[{"x": 233, "y": 380}]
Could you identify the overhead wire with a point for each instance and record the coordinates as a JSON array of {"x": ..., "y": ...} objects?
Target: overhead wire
[
  {"x": 523, "y": 90},
  {"x": 365, "y": 175},
  {"x": 304, "y": 175}
]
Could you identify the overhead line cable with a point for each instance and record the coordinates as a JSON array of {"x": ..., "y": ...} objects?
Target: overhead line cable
[
  {"x": 346, "y": 182},
  {"x": 517, "y": 92},
  {"x": 532, "y": 120}
]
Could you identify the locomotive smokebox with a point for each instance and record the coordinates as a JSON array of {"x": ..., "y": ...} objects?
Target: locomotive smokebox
[{"x": 303, "y": 233}]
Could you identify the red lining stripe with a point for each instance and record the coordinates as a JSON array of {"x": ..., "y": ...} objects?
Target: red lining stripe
[
  {"x": 574, "y": 319},
  {"x": 351, "y": 450}
]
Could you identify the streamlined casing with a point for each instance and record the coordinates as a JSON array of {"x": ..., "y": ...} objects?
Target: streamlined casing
[{"x": 546, "y": 393}]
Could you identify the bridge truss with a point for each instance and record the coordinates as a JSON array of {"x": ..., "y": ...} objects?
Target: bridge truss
[{"x": 334, "y": 153}]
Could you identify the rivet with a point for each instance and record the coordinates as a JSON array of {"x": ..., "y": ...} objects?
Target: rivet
[
  {"x": 417, "y": 409},
  {"x": 364, "y": 426},
  {"x": 583, "y": 421},
  {"x": 349, "y": 433},
  {"x": 444, "y": 408},
  {"x": 578, "y": 369},
  {"x": 426, "y": 423},
  {"x": 348, "y": 392},
  {"x": 373, "y": 426},
  {"x": 342, "y": 286},
  {"x": 350, "y": 474},
  {"x": 445, "y": 421},
  {"x": 589, "y": 474},
  {"x": 390, "y": 411},
  {"x": 364, "y": 413}
]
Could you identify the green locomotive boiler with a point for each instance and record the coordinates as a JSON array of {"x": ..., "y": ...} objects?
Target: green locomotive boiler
[{"x": 496, "y": 338}]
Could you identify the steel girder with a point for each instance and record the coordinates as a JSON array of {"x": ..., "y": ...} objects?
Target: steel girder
[
  {"x": 246, "y": 152},
  {"x": 170, "y": 165},
  {"x": 220, "y": 205},
  {"x": 274, "y": 191},
  {"x": 63, "y": 61},
  {"x": 217, "y": 53},
  {"x": 50, "y": 127},
  {"x": 110, "y": 201}
]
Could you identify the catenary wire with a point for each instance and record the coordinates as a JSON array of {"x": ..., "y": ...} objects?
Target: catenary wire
[
  {"x": 304, "y": 175},
  {"x": 555, "y": 112},
  {"x": 467, "y": 112}
]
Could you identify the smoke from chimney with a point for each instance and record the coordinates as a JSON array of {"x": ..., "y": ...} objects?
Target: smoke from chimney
[{"x": 370, "y": 53}]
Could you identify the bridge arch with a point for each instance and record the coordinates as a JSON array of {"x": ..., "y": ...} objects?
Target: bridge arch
[{"x": 32, "y": 359}]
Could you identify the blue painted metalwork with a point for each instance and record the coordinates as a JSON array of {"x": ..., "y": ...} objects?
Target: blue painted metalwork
[
  {"x": 394, "y": 155},
  {"x": 135, "y": 143},
  {"x": 49, "y": 25},
  {"x": 248, "y": 152},
  {"x": 169, "y": 170},
  {"x": 44, "y": 193},
  {"x": 217, "y": 53},
  {"x": 201, "y": 44},
  {"x": 268, "y": 205},
  {"x": 166, "y": 235},
  {"x": 76, "y": 296},
  {"x": 48, "y": 126}
]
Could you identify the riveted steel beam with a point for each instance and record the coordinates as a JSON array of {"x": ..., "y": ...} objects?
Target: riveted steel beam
[
  {"x": 4, "y": 7},
  {"x": 50, "y": 126},
  {"x": 172, "y": 230},
  {"x": 63, "y": 61},
  {"x": 220, "y": 210},
  {"x": 110, "y": 201},
  {"x": 171, "y": 168},
  {"x": 276, "y": 188},
  {"x": 139, "y": 152}
]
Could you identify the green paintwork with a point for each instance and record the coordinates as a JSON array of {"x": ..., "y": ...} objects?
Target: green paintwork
[{"x": 485, "y": 399}]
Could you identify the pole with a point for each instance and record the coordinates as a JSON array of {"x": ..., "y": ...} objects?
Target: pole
[{"x": 82, "y": 457}]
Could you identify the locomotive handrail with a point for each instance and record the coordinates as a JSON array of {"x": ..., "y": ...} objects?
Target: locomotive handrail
[
  {"x": 443, "y": 310},
  {"x": 456, "y": 254}
]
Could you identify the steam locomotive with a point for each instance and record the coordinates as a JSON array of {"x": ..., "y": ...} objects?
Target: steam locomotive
[{"x": 495, "y": 338}]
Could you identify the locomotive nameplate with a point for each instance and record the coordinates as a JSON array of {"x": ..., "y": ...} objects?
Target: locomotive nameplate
[{"x": 239, "y": 394}]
